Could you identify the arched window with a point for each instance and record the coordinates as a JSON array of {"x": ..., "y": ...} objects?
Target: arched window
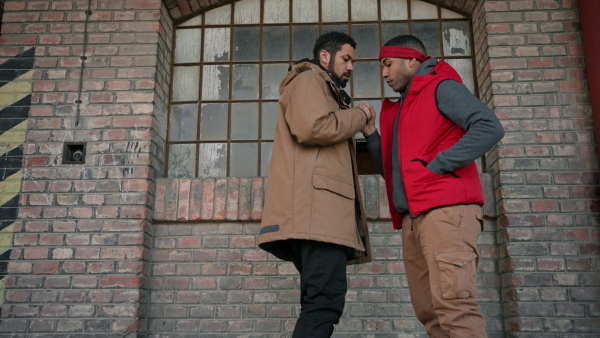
[{"x": 228, "y": 64}]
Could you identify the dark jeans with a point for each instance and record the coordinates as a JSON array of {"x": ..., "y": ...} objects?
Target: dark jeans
[{"x": 323, "y": 286}]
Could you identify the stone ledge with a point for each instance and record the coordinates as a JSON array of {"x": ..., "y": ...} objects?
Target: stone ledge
[{"x": 241, "y": 199}]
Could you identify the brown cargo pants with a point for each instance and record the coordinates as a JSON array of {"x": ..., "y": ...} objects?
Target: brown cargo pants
[{"x": 441, "y": 258}]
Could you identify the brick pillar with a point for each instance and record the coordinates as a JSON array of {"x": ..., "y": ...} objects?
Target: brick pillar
[
  {"x": 546, "y": 167},
  {"x": 79, "y": 263}
]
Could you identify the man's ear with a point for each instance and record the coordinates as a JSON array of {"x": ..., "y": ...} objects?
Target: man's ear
[
  {"x": 413, "y": 63},
  {"x": 324, "y": 57}
]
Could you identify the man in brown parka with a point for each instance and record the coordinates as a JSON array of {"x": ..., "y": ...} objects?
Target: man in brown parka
[{"x": 313, "y": 213}]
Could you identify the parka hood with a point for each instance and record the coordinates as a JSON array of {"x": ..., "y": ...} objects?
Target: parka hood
[{"x": 313, "y": 65}]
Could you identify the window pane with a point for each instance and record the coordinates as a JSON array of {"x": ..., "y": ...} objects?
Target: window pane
[
  {"x": 392, "y": 29},
  {"x": 394, "y": 10},
  {"x": 277, "y": 11},
  {"x": 364, "y": 10},
  {"x": 303, "y": 41},
  {"x": 272, "y": 76},
  {"x": 195, "y": 21},
  {"x": 213, "y": 121},
  {"x": 215, "y": 82},
  {"x": 335, "y": 10},
  {"x": 246, "y": 43},
  {"x": 183, "y": 123},
  {"x": 334, "y": 28},
  {"x": 213, "y": 160},
  {"x": 367, "y": 81},
  {"x": 464, "y": 67},
  {"x": 216, "y": 44},
  {"x": 182, "y": 160},
  {"x": 247, "y": 11},
  {"x": 244, "y": 121},
  {"x": 185, "y": 83},
  {"x": 269, "y": 120},
  {"x": 245, "y": 82},
  {"x": 456, "y": 38},
  {"x": 218, "y": 16},
  {"x": 422, "y": 10},
  {"x": 276, "y": 41},
  {"x": 366, "y": 37},
  {"x": 306, "y": 10},
  {"x": 187, "y": 45},
  {"x": 428, "y": 33},
  {"x": 265, "y": 157},
  {"x": 244, "y": 160}
]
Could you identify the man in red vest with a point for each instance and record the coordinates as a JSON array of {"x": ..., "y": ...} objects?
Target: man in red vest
[{"x": 429, "y": 141}]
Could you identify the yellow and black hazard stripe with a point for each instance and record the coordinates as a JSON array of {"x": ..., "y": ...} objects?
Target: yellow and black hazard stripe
[{"x": 15, "y": 102}]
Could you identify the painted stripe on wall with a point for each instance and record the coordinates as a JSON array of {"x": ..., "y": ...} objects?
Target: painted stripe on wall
[{"x": 15, "y": 102}]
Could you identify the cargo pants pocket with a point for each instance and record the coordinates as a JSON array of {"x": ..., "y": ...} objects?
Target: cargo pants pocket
[{"x": 457, "y": 273}]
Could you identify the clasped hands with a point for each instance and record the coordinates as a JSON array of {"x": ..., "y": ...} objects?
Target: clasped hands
[{"x": 370, "y": 127}]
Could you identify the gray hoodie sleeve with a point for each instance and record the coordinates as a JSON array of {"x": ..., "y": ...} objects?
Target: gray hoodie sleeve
[
  {"x": 374, "y": 148},
  {"x": 483, "y": 130}
]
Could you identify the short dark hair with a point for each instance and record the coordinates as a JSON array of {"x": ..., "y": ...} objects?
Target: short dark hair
[
  {"x": 409, "y": 41},
  {"x": 332, "y": 42}
]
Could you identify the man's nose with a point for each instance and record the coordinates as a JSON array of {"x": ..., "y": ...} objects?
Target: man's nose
[{"x": 350, "y": 67}]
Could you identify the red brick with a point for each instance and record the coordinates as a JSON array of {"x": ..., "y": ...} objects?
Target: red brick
[
  {"x": 45, "y": 267},
  {"x": 12, "y": 29},
  {"x": 120, "y": 281},
  {"x": 142, "y": 4},
  {"x": 183, "y": 203}
]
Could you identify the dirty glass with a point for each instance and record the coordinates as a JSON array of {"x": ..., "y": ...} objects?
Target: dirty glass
[
  {"x": 306, "y": 11},
  {"x": 185, "y": 83},
  {"x": 213, "y": 160},
  {"x": 394, "y": 10},
  {"x": 364, "y": 10},
  {"x": 244, "y": 121},
  {"x": 276, "y": 11},
  {"x": 187, "y": 45},
  {"x": 244, "y": 160},
  {"x": 246, "y": 43},
  {"x": 245, "y": 82},
  {"x": 269, "y": 120},
  {"x": 456, "y": 38},
  {"x": 271, "y": 78},
  {"x": 334, "y": 10},
  {"x": 184, "y": 122},
  {"x": 182, "y": 158},
  {"x": 216, "y": 44},
  {"x": 215, "y": 82},
  {"x": 276, "y": 41},
  {"x": 214, "y": 119},
  {"x": 429, "y": 34}
]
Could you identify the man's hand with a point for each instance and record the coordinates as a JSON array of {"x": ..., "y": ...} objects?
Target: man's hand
[{"x": 370, "y": 127}]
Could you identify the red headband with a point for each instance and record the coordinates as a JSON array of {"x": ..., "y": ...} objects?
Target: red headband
[{"x": 401, "y": 52}]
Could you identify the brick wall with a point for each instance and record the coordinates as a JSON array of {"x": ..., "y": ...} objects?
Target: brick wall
[
  {"x": 82, "y": 243},
  {"x": 547, "y": 168},
  {"x": 210, "y": 278},
  {"x": 107, "y": 249}
]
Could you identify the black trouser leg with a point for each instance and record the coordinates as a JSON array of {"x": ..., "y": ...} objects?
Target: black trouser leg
[{"x": 323, "y": 286}]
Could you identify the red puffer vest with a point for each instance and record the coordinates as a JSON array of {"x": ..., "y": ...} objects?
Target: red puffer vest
[{"x": 423, "y": 132}]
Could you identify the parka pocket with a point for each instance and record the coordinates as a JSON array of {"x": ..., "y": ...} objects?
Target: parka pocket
[
  {"x": 457, "y": 273},
  {"x": 334, "y": 185},
  {"x": 333, "y": 212}
]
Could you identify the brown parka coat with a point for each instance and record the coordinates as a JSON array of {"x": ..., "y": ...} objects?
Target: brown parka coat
[{"x": 313, "y": 191}]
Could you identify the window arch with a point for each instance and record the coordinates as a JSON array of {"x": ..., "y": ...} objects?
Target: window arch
[{"x": 228, "y": 62}]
